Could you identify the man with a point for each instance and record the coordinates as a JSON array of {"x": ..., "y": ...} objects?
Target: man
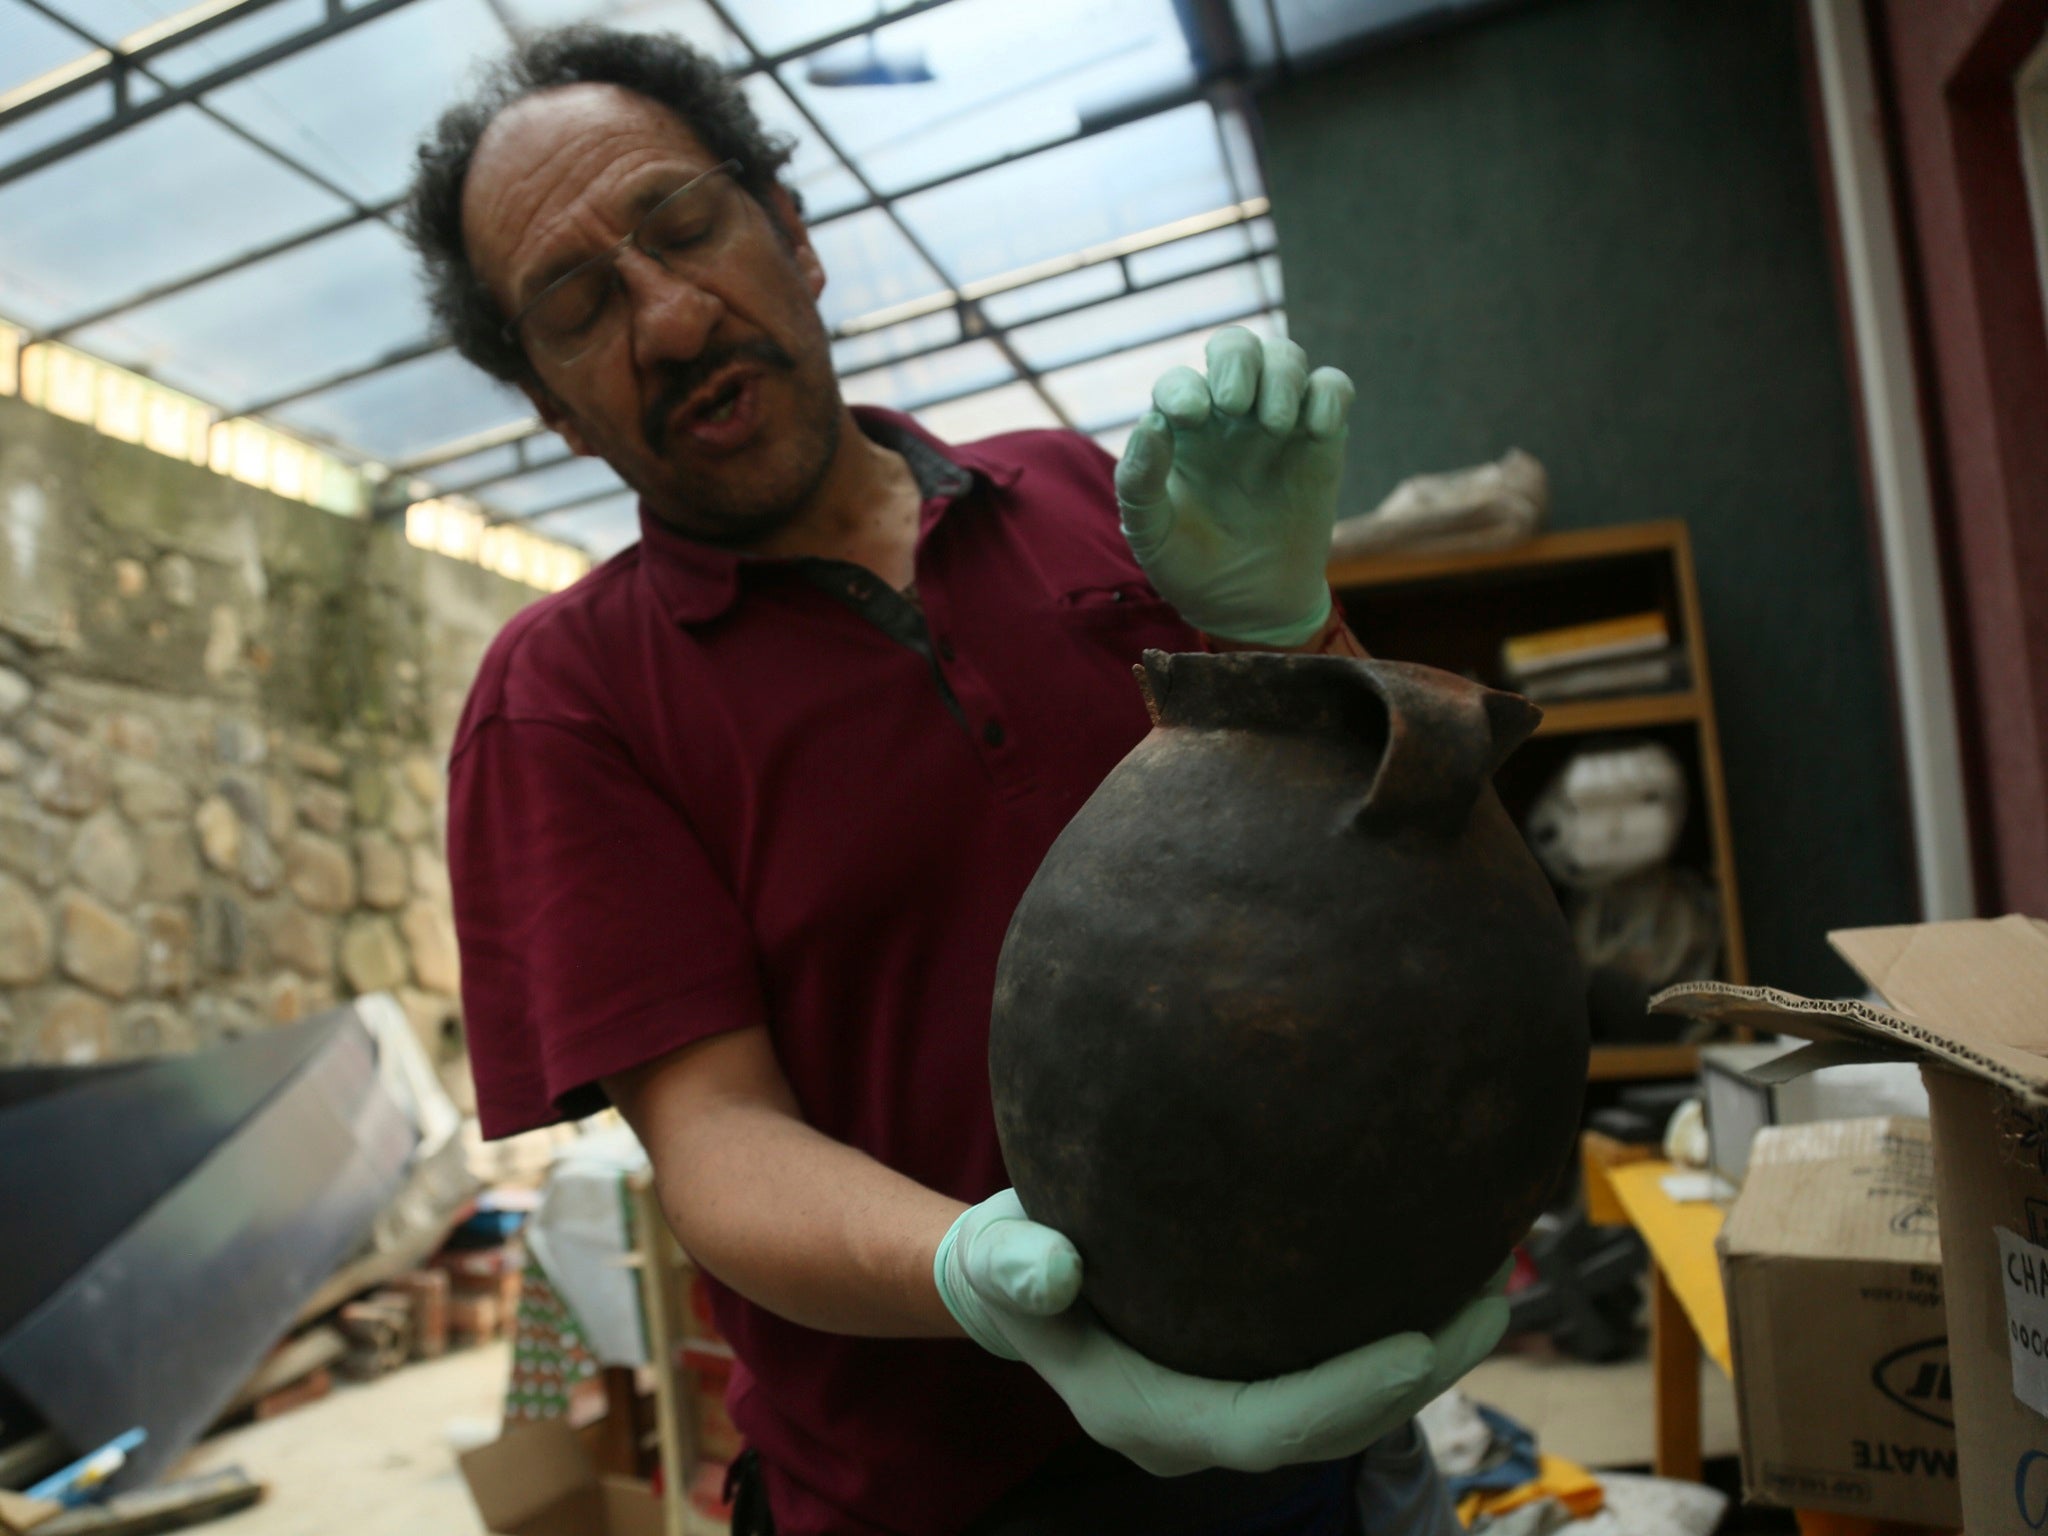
[{"x": 737, "y": 822}]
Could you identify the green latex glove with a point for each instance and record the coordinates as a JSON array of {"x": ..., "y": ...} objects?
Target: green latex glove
[
  {"x": 1014, "y": 1284},
  {"x": 1229, "y": 489}
]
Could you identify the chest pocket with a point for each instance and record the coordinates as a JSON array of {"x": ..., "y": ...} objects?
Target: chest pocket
[{"x": 1129, "y": 616}]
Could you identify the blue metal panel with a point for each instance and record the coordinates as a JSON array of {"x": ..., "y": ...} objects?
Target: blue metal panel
[{"x": 163, "y": 1325}]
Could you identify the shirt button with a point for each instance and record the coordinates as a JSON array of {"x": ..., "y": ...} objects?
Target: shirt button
[
  {"x": 992, "y": 733},
  {"x": 945, "y": 650}
]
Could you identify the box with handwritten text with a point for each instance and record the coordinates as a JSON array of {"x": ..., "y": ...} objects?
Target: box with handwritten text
[{"x": 1969, "y": 1002}]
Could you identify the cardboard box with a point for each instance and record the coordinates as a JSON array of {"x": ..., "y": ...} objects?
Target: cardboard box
[
  {"x": 1744, "y": 1090},
  {"x": 1832, "y": 1270},
  {"x": 539, "y": 1480},
  {"x": 1969, "y": 1000}
]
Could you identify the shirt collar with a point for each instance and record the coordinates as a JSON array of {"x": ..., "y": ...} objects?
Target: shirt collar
[{"x": 696, "y": 582}]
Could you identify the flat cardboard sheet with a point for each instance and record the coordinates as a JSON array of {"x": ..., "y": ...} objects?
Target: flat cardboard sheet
[{"x": 1967, "y": 993}]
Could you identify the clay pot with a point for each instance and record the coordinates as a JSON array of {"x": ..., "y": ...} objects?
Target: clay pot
[{"x": 1289, "y": 1035}]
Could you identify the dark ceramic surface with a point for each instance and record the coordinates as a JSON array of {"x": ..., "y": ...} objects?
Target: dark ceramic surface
[{"x": 1289, "y": 1035}]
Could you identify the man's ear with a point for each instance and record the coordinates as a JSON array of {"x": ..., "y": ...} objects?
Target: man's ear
[
  {"x": 782, "y": 208},
  {"x": 555, "y": 417}
]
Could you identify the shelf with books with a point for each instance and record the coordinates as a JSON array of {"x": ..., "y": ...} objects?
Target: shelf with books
[
  {"x": 1578, "y": 717},
  {"x": 1602, "y": 628}
]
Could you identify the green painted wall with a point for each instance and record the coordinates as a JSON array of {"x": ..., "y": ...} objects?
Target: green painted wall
[{"x": 1592, "y": 229}]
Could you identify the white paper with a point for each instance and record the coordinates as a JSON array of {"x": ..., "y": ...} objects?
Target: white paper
[
  {"x": 579, "y": 1237},
  {"x": 2023, "y": 1270},
  {"x": 1696, "y": 1188},
  {"x": 1657, "y": 1506}
]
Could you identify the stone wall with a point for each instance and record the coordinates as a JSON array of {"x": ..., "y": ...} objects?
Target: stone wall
[{"x": 223, "y": 720}]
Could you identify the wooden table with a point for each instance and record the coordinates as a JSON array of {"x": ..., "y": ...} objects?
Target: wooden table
[{"x": 1687, "y": 1311}]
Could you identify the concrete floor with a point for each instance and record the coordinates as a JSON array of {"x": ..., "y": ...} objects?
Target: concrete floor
[
  {"x": 371, "y": 1460},
  {"x": 1596, "y": 1415},
  {"x": 379, "y": 1460}
]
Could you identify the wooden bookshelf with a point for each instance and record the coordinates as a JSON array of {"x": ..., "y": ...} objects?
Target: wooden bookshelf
[
  {"x": 1454, "y": 610},
  {"x": 1577, "y": 717},
  {"x": 1630, "y": 1063},
  {"x": 1575, "y": 545}
]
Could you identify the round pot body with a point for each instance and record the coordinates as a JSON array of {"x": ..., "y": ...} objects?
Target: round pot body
[{"x": 1289, "y": 1035}]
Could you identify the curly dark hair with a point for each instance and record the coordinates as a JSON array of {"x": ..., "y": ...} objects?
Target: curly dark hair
[{"x": 658, "y": 66}]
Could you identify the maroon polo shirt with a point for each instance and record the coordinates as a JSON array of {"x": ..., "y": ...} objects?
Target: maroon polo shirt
[{"x": 696, "y": 792}]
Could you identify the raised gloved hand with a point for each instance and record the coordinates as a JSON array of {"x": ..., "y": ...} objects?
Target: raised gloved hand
[
  {"x": 1228, "y": 488},
  {"x": 1013, "y": 1285}
]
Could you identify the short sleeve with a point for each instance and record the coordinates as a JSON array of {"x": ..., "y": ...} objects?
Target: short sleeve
[{"x": 596, "y": 936}]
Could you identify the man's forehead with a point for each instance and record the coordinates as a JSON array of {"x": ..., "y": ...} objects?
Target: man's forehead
[
  {"x": 563, "y": 118},
  {"x": 545, "y": 149}
]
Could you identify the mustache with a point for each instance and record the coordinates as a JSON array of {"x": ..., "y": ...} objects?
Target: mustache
[{"x": 679, "y": 381}]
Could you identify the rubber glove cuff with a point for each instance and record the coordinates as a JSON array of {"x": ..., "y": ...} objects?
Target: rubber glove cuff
[
  {"x": 995, "y": 1257},
  {"x": 1281, "y": 637}
]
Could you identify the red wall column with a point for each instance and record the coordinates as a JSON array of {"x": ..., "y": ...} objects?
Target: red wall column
[{"x": 1951, "y": 69}]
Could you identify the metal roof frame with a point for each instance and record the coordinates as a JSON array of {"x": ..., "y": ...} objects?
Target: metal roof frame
[
  {"x": 1214, "y": 45},
  {"x": 974, "y": 327},
  {"x": 1250, "y": 312},
  {"x": 129, "y": 114},
  {"x": 384, "y": 210}
]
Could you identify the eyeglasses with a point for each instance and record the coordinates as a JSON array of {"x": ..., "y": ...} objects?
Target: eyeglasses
[{"x": 681, "y": 233}]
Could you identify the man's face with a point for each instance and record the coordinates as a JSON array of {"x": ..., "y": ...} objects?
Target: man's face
[{"x": 710, "y": 391}]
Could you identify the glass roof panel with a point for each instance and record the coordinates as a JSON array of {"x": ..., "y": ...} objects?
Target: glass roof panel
[
  {"x": 404, "y": 411},
  {"x": 1116, "y": 390},
  {"x": 32, "y": 45},
  {"x": 57, "y": 121},
  {"x": 998, "y": 79},
  {"x": 176, "y": 194},
  {"x": 604, "y": 527},
  {"x": 339, "y": 303},
  {"x": 819, "y": 177},
  {"x": 1033, "y": 299},
  {"x": 476, "y": 466},
  {"x": 1198, "y": 251},
  {"x": 1112, "y": 441},
  {"x": 776, "y": 26},
  {"x": 545, "y": 488},
  {"x": 906, "y": 386},
  {"x": 237, "y": 40},
  {"x": 1240, "y": 152},
  {"x": 692, "y": 20},
  {"x": 354, "y": 107},
  {"x": 850, "y": 354},
  {"x": 869, "y": 265},
  {"x": 1167, "y": 310},
  {"x": 113, "y": 20},
  {"x": 1129, "y": 179},
  {"x": 1011, "y": 408}
]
